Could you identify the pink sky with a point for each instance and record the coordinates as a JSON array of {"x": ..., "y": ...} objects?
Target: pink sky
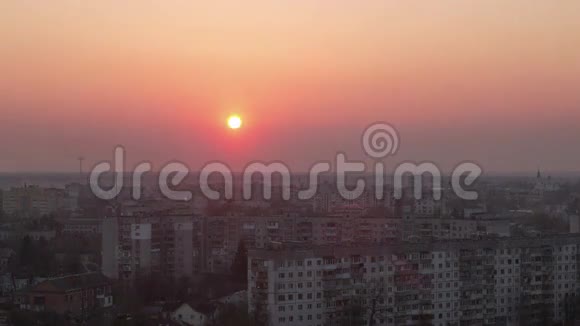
[{"x": 496, "y": 82}]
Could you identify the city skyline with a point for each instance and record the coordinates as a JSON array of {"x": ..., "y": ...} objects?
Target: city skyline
[{"x": 290, "y": 163}]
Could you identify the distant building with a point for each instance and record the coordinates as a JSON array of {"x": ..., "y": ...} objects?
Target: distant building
[
  {"x": 543, "y": 185},
  {"x": 83, "y": 226},
  {"x": 177, "y": 245},
  {"x": 26, "y": 201},
  {"x": 35, "y": 201},
  {"x": 428, "y": 207},
  {"x": 142, "y": 245},
  {"x": 474, "y": 211}
]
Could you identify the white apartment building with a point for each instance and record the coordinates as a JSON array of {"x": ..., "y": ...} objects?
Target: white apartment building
[{"x": 505, "y": 281}]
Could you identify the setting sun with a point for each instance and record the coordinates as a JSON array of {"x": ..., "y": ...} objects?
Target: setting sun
[{"x": 234, "y": 122}]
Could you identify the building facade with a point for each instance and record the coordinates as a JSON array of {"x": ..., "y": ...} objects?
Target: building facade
[
  {"x": 505, "y": 281},
  {"x": 35, "y": 201},
  {"x": 78, "y": 295},
  {"x": 182, "y": 244},
  {"x": 136, "y": 246}
]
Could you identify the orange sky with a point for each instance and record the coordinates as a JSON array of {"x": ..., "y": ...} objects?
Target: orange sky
[{"x": 497, "y": 82}]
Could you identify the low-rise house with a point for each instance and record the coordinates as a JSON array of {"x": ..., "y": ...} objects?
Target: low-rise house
[
  {"x": 203, "y": 313},
  {"x": 76, "y": 294},
  {"x": 236, "y": 298},
  {"x": 194, "y": 314},
  {"x": 12, "y": 283}
]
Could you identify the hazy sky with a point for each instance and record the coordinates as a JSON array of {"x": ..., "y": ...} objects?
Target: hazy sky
[{"x": 495, "y": 81}]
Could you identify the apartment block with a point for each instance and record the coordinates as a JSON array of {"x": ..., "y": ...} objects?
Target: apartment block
[
  {"x": 148, "y": 244},
  {"x": 220, "y": 235},
  {"x": 143, "y": 242},
  {"x": 505, "y": 281},
  {"x": 35, "y": 201}
]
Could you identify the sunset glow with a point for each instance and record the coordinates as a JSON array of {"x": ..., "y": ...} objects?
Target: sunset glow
[{"x": 324, "y": 68}]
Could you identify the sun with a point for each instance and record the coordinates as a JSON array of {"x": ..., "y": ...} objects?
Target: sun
[{"x": 234, "y": 122}]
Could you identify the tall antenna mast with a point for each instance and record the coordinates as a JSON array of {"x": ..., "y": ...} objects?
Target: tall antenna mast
[{"x": 81, "y": 159}]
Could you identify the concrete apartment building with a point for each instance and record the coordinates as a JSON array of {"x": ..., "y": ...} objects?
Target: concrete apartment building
[
  {"x": 504, "y": 281},
  {"x": 220, "y": 235},
  {"x": 144, "y": 245},
  {"x": 182, "y": 244},
  {"x": 35, "y": 201},
  {"x": 26, "y": 200}
]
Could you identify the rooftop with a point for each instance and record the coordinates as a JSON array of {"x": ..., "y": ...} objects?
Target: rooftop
[{"x": 74, "y": 282}]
